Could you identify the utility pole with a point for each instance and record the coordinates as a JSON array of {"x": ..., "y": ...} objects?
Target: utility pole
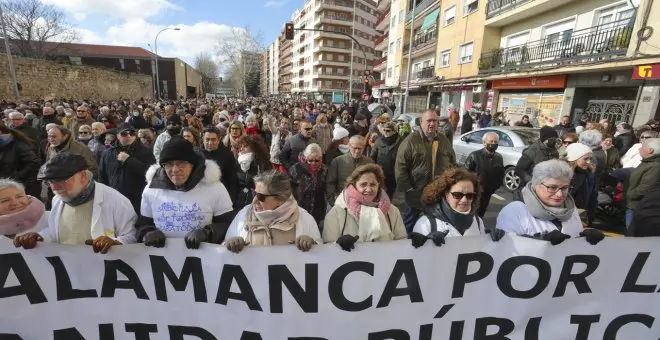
[
  {"x": 404, "y": 109},
  {"x": 10, "y": 59}
]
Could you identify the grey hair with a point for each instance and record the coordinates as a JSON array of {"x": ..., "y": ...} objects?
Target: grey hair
[
  {"x": 85, "y": 126},
  {"x": 105, "y": 109},
  {"x": 6, "y": 183},
  {"x": 654, "y": 144},
  {"x": 250, "y": 118},
  {"x": 357, "y": 138},
  {"x": 16, "y": 115},
  {"x": 276, "y": 182},
  {"x": 62, "y": 129},
  {"x": 312, "y": 149},
  {"x": 591, "y": 138},
  {"x": 99, "y": 125},
  {"x": 59, "y": 107},
  {"x": 483, "y": 139},
  {"x": 650, "y": 134},
  {"x": 552, "y": 169}
]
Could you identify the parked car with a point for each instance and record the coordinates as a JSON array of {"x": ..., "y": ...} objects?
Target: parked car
[{"x": 513, "y": 140}]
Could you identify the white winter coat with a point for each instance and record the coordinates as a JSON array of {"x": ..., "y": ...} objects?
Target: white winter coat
[
  {"x": 423, "y": 226},
  {"x": 112, "y": 215},
  {"x": 515, "y": 218}
]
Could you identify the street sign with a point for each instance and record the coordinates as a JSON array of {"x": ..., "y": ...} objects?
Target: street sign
[
  {"x": 643, "y": 72},
  {"x": 337, "y": 97}
]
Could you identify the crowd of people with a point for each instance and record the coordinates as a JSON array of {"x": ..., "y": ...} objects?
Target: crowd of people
[{"x": 276, "y": 171}]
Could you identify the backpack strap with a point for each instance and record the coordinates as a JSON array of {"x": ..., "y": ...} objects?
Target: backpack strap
[
  {"x": 345, "y": 218},
  {"x": 434, "y": 223}
]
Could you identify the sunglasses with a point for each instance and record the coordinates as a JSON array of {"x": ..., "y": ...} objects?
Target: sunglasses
[
  {"x": 568, "y": 142},
  {"x": 644, "y": 137},
  {"x": 459, "y": 195},
  {"x": 313, "y": 161},
  {"x": 83, "y": 133},
  {"x": 307, "y": 129},
  {"x": 387, "y": 130},
  {"x": 262, "y": 197},
  {"x": 127, "y": 133}
]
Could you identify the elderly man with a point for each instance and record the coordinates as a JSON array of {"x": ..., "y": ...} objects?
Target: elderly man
[
  {"x": 296, "y": 144},
  {"x": 645, "y": 177},
  {"x": 489, "y": 166},
  {"x": 83, "y": 117},
  {"x": 61, "y": 140},
  {"x": 184, "y": 198},
  {"x": 18, "y": 122},
  {"x": 84, "y": 212},
  {"x": 422, "y": 156},
  {"x": 173, "y": 128},
  {"x": 124, "y": 166},
  {"x": 342, "y": 166},
  {"x": 48, "y": 117},
  {"x": 204, "y": 116}
]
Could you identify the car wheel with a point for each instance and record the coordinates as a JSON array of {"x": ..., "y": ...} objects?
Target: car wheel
[{"x": 511, "y": 181}]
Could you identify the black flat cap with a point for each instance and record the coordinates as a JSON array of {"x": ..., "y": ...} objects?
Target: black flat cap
[
  {"x": 62, "y": 166},
  {"x": 125, "y": 127}
]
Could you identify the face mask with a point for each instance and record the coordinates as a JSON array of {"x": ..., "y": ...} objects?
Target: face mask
[
  {"x": 136, "y": 113},
  {"x": 550, "y": 142},
  {"x": 343, "y": 148},
  {"x": 491, "y": 147},
  {"x": 174, "y": 129},
  {"x": 245, "y": 160}
]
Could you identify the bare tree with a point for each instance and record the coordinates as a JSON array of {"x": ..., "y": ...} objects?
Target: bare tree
[
  {"x": 241, "y": 51},
  {"x": 31, "y": 23},
  {"x": 209, "y": 70}
]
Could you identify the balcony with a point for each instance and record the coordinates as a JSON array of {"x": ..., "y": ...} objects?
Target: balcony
[
  {"x": 330, "y": 75},
  {"x": 384, "y": 18},
  {"x": 420, "y": 9},
  {"x": 334, "y": 19},
  {"x": 423, "y": 43},
  {"x": 505, "y": 12},
  {"x": 334, "y": 4},
  {"x": 424, "y": 75},
  {"x": 377, "y": 83},
  {"x": 380, "y": 62},
  {"x": 594, "y": 44},
  {"x": 381, "y": 42}
]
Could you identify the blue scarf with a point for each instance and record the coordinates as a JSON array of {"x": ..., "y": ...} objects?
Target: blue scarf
[
  {"x": 85, "y": 196},
  {"x": 6, "y": 139}
]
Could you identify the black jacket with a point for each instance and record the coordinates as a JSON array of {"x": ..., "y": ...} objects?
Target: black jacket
[
  {"x": 127, "y": 177},
  {"x": 19, "y": 161},
  {"x": 31, "y": 133},
  {"x": 646, "y": 218},
  {"x": 489, "y": 167},
  {"x": 466, "y": 125},
  {"x": 45, "y": 120},
  {"x": 292, "y": 149},
  {"x": 356, "y": 129},
  {"x": 227, "y": 163},
  {"x": 534, "y": 154},
  {"x": 624, "y": 142},
  {"x": 243, "y": 186},
  {"x": 309, "y": 194},
  {"x": 384, "y": 154}
]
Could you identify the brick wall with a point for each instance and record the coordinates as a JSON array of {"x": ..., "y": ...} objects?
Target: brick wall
[{"x": 47, "y": 79}]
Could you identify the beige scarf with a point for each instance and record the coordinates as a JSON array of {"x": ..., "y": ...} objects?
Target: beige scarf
[{"x": 272, "y": 227}]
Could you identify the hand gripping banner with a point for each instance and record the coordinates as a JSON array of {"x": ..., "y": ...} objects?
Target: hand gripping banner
[{"x": 470, "y": 288}]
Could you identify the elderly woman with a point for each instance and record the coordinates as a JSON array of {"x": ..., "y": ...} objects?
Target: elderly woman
[
  {"x": 277, "y": 142},
  {"x": 547, "y": 210},
  {"x": 19, "y": 212},
  {"x": 384, "y": 153},
  {"x": 253, "y": 159},
  {"x": 308, "y": 180},
  {"x": 146, "y": 138},
  {"x": 273, "y": 218},
  {"x": 451, "y": 209},
  {"x": 96, "y": 144},
  {"x": 84, "y": 134},
  {"x": 363, "y": 212},
  {"x": 236, "y": 131},
  {"x": 591, "y": 138},
  {"x": 252, "y": 126},
  {"x": 322, "y": 132}
]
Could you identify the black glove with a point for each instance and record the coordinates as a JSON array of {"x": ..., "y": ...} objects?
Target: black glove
[
  {"x": 438, "y": 237},
  {"x": 418, "y": 239},
  {"x": 347, "y": 242},
  {"x": 195, "y": 237},
  {"x": 495, "y": 234},
  {"x": 593, "y": 236},
  {"x": 555, "y": 237},
  {"x": 154, "y": 238}
]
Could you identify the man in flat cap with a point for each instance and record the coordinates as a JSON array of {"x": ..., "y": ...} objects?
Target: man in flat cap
[{"x": 84, "y": 211}]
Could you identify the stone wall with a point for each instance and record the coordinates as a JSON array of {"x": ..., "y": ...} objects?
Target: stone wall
[{"x": 47, "y": 79}]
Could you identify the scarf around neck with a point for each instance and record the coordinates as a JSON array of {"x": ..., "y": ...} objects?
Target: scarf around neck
[
  {"x": 23, "y": 220},
  {"x": 355, "y": 201},
  {"x": 283, "y": 218},
  {"x": 444, "y": 212},
  {"x": 85, "y": 196},
  {"x": 544, "y": 212}
]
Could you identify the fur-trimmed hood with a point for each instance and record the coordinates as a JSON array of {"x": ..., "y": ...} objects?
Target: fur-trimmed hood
[{"x": 207, "y": 172}]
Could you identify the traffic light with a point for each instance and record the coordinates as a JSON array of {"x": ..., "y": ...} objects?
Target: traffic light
[{"x": 288, "y": 31}]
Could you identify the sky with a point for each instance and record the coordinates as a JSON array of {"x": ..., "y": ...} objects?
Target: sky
[{"x": 202, "y": 23}]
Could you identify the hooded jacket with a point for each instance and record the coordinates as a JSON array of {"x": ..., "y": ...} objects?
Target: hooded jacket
[
  {"x": 200, "y": 203},
  {"x": 384, "y": 154},
  {"x": 534, "y": 154},
  {"x": 292, "y": 148}
]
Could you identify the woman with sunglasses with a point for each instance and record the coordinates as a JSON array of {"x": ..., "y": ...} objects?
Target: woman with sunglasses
[
  {"x": 308, "y": 180},
  {"x": 84, "y": 134},
  {"x": 273, "y": 218},
  {"x": 546, "y": 210},
  {"x": 384, "y": 153},
  {"x": 451, "y": 203},
  {"x": 363, "y": 212},
  {"x": 567, "y": 139}
]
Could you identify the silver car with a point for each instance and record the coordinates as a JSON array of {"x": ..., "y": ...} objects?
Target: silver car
[{"x": 513, "y": 140}]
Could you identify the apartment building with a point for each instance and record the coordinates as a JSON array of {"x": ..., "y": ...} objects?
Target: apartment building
[
  {"x": 322, "y": 60},
  {"x": 264, "y": 73},
  {"x": 381, "y": 46},
  {"x": 273, "y": 67},
  {"x": 571, "y": 57},
  {"x": 285, "y": 66}
]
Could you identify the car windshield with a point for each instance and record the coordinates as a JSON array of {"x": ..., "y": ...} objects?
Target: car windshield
[{"x": 528, "y": 136}]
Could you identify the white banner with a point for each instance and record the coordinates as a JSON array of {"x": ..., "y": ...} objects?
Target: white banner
[{"x": 470, "y": 288}]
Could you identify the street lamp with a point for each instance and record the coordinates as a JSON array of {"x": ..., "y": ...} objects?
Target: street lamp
[{"x": 156, "y": 57}]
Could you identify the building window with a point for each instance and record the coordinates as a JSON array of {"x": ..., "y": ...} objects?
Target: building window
[
  {"x": 400, "y": 16},
  {"x": 450, "y": 15},
  {"x": 121, "y": 64},
  {"x": 398, "y": 44},
  {"x": 396, "y": 71},
  {"x": 137, "y": 66},
  {"x": 393, "y": 21},
  {"x": 340, "y": 57},
  {"x": 391, "y": 47},
  {"x": 471, "y": 6},
  {"x": 465, "y": 53},
  {"x": 445, "y": 57},
  {"x": 75, "y": 60},
  {"x": 389, "y": 72}
]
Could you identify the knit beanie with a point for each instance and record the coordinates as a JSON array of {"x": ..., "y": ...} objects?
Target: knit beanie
[
  {"x": 575, "y": 151},
  {"x": 339, "y": 133},
  {"x": 548, "y": 132},
  {"x": 178, "y": 149}
]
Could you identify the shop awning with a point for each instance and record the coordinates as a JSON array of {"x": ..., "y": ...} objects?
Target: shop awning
[{"x": 430, "y": 19}]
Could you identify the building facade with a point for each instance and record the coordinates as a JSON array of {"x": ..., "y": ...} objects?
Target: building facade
[
  {"x": 285, "y": 64},
  {"x": 273, "y": 68},
  {"x": 264, "y": 74}
]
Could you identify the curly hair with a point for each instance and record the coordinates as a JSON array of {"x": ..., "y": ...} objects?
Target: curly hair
[
  {"x": 371, "y": 168},
  {"x": 436, "y": 190},
  {"x": 193, "y": 132},
  {"x": 258, "y": 148}
]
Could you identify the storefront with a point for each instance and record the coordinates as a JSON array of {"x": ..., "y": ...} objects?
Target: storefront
[
  {"x": 461, "y": 98},
  {"x": 541, "y": 98}
]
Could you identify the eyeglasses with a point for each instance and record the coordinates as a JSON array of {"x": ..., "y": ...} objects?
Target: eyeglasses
[
  {"x": 553, "y": 189},
  {"x": 172, "y": 164},
  {"x": 307, "y": 129},
  {"x": 313, "y": 161},
  {"x": 83, "y": 111},
  {"x": 127, "y": 133},
  {"x": 58, "y": 182},
  {"x": 83, "y": 133},
  {"x": 459, "y": 195},
  {"x": 568, "y": 142},
  {"x": 235, "y": 129},
  {"x": 262, "y": 197},
  {"x": 645, "y": 137}
]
